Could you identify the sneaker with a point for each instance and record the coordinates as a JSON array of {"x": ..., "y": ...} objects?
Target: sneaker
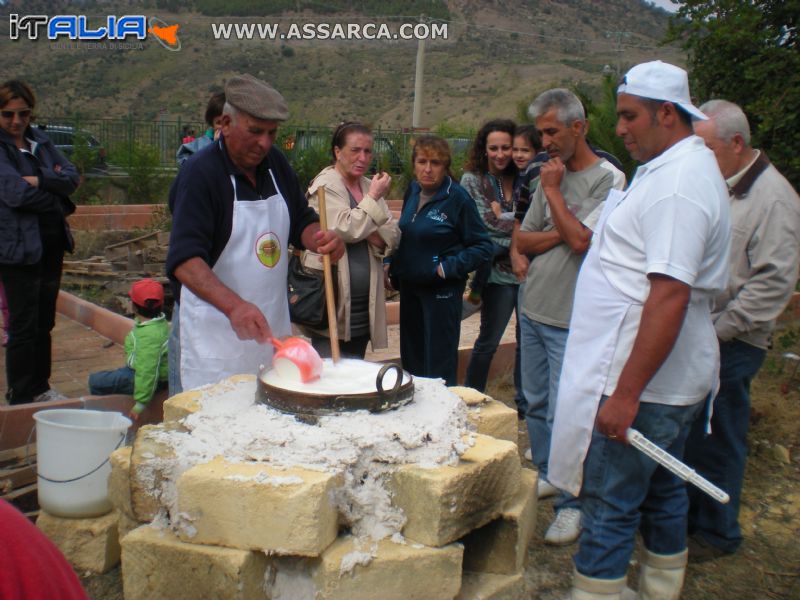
[
  {"x": 528, "y": 455},
  {"x": 49, "y": 395},
  {"x": 565, "y": 528},
  {"x": 545, "y": 489},
  {"x": 469, "y": 308}
]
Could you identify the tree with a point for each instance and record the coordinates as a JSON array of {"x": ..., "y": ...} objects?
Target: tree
[{"x": 747, "y": 52}]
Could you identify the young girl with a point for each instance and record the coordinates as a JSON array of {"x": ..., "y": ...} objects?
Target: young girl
[{"x": 525, "y": 146}]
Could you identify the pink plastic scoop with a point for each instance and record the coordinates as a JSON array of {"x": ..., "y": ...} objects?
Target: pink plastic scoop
[{"x": 296, "y": 360}]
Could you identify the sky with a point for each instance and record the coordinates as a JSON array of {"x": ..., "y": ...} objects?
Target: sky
[{"x": 666, "y": 5}]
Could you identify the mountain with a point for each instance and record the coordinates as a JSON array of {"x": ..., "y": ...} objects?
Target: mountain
[{"x": 496, "y": 57}]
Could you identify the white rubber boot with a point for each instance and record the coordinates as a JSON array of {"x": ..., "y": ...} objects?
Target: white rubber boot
[
  {"x": 590, "y": 588},
  {"x": 661, "y": 577}
]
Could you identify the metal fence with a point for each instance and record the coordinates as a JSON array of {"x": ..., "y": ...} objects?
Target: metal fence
[{"x": 122, "y": 137}]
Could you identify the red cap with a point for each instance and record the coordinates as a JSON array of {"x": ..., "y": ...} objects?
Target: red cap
[{"x": 146, "y": 289}]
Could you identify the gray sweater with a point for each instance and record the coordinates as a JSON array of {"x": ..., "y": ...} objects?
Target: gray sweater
[{"x": 765, "y": 245}]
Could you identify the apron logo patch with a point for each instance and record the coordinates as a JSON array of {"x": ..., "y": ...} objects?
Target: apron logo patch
[{"x": 268, "y": 249}]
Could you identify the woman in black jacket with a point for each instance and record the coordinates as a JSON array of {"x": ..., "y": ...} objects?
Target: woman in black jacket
[
  {"x": 442, "y": 240},
  {"x": 35, "y": 182}
]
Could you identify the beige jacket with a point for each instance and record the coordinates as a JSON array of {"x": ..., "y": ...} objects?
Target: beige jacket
[
  {"x": 765, "y": 240},
  {"x": 354, "y": 225}
]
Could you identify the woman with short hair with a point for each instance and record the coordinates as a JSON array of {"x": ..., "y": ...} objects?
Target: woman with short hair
[{"x": 443, "y": 240}]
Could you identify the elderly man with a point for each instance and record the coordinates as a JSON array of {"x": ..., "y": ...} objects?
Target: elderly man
[
  {"x": 641, "y": 350},
  {"x": 765, "y": 220},
  {"x": 236, "y": 207},
  {"x": 556, "y": 229}
]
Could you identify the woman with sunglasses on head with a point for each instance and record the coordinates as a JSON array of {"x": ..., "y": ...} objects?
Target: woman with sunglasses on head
[
  {"x": 35, "y": 183},
  {"x": 356, "y": 210}
]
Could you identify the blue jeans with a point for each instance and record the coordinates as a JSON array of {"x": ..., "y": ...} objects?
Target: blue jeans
[
  {"x": 721, "y": 456},
  {"x": 499, "y": 301},
  {"x": 625, "y": 491},
  {"x": 118, "y": 381},
  {"x": 174, "y": 352},
  {"x": 542, "y": 355}
]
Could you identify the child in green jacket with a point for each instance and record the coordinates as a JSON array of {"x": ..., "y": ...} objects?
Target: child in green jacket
[{"x": 145, "y": 368}]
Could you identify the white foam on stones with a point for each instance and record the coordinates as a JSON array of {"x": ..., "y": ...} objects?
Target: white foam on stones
[{"x": 362, "y": 447}]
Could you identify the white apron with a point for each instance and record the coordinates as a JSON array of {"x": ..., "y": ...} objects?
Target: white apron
[
  {"x": 254, "y": 264},
  {"x": 597, "y": 316}
]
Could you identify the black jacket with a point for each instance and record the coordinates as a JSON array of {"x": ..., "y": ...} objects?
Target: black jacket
[
  {"x": 201, "y": 202},
  {"x": 21, "y": 204}
]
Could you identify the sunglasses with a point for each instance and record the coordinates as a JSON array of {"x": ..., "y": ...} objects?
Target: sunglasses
[{"x": 23, "y": 113}]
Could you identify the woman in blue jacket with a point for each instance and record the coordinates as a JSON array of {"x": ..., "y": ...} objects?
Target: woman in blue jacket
[
  {"x": 35, "y": 182},
  {"x": 442, "y": 240}
]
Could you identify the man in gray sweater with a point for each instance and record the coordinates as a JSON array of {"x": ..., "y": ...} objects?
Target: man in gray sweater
[{"x": 765, "y": 238}]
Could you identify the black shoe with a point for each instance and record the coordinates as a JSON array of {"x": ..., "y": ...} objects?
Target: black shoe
[{"x": 701, "y": 550}]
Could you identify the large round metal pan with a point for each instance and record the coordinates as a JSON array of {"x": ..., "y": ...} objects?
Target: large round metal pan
[{"x": 302, "y": 403}]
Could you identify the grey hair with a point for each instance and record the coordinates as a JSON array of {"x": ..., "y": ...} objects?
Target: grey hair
[
  {"x": 230, "y": 110},
  {"x": 728, "y": 118},
  {"x": 568, "y": 107}
]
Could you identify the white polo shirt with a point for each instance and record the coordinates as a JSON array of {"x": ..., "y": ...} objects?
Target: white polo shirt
[{"x": 674, "y": 220}]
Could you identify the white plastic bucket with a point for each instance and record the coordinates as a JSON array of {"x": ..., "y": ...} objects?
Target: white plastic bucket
[{"x": 73, "y": 447}]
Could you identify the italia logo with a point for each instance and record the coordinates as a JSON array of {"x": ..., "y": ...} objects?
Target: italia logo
[{"x": 78, "y": 27}]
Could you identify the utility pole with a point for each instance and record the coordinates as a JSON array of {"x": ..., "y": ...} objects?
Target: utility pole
[
  {"x": 419, "y": 76},
  {"x": 619, "y": 35}
]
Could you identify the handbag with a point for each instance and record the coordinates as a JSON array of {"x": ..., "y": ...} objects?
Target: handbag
[{"x": 306, "y": 295}]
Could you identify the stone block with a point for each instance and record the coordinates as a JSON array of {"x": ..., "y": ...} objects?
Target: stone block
[
  {"x": 470, "y": 396},
  {"x": 155, "y": 564},
  {"x": 88, "y": 544},
  {"x": 445, "y": 503},
  {"x": 495, "y": 419},
  {"x": 501, "y": 546},
  {"x": 119, "y": 481},
  {"x": 182, "y": 405},
  {"x": 488, "y": 586},
  {"x": 151, "y": 460},
  {"x": 255, "y": 506},
  {"x": 385, "y": 570},
  {"x": 126, "y": 525}
]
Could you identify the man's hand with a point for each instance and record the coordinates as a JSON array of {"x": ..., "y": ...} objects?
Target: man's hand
[
  {"x": 249, "y": 323},
  {"x": 329, "y": 242},
  {"x": 519, "y": 265},
  {"x": 380, "y": 185},
  {"x": 616, "y": 416},
  {"x": 552, "y": 173}
]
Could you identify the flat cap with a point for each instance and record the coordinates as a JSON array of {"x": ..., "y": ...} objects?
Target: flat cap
[{"x": 257, "y": 98}]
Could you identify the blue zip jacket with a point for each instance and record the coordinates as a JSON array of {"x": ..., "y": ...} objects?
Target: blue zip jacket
[{"x": 447, "y": 230}]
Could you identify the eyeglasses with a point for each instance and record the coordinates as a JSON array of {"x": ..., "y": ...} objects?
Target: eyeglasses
[{"x": 23, "y": 113}]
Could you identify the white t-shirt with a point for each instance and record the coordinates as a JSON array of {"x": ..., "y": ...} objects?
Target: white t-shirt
[{"x": 674, "y": 221}]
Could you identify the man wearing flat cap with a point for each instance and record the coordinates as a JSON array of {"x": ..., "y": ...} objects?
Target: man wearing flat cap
[
  {"x": 236, "y": 206},
  {"x": 641, "y": 350}
]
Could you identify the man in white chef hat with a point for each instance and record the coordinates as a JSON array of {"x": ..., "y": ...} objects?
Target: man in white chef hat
[{"x": 642, "y": 351}]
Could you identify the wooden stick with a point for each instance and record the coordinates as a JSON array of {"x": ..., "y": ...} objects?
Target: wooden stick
[{"x": 333, "y": 330}]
